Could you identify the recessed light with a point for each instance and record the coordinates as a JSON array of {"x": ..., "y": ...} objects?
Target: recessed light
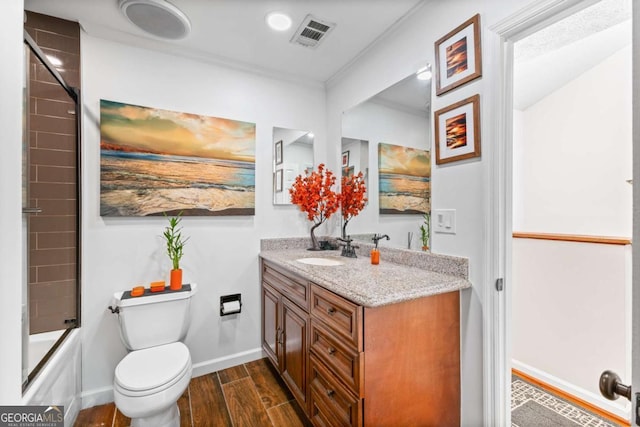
[{"x": 278, "y": 21}]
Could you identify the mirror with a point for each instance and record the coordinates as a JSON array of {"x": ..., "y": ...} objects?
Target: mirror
[
  {"x": 292, "y": 156},
  {"x": 397, "y": 116}
]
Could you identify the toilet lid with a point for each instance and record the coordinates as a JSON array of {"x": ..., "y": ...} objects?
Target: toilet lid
[{"x": 152, "y": 367}]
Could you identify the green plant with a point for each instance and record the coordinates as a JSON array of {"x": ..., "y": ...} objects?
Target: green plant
[
  {"x": 425, "y": 228},
  {"x": 175, "y": 242}
]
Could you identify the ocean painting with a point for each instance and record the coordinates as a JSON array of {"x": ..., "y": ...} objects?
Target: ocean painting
[
  {"x": 404, "y": 179},
  {"x": 155, "y": 162}
]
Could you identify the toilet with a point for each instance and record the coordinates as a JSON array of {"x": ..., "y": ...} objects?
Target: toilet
[{"x": 150, "y": 379}]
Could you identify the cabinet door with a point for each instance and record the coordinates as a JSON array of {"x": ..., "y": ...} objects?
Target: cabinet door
[
  {"x": 271, "y": 329},
  {"x": 295, "y": 323}
]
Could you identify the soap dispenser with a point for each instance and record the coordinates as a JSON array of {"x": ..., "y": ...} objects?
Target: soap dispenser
[{"x": 375, "y": 253}]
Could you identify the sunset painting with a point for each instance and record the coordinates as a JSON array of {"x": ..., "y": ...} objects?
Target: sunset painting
[
  {"x": 404, "y": 180},
  {"x": 155, "y": 162},
  {"x": 457, "y": 57},
  {"x": 456, "y": 131}
]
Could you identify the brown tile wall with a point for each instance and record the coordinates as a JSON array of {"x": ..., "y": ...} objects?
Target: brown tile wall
[{"x": 52, "y": 171}]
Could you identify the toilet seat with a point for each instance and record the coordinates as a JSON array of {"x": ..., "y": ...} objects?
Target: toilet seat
[{"x": 152, "y": 370}]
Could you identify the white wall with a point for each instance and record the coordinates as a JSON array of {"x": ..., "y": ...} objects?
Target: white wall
[
  {"x": 561, "y": 334},
  {"x": 576, "y": 155},
  {"x": 11, "y": 78},
  {"x": 460, "y": 186},
  {"x": 222, "y": 254},
  {"x": 378, "y": 123}
]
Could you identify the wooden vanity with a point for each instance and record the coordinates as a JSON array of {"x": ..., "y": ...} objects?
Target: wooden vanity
[{"x": 349, "y": 364}]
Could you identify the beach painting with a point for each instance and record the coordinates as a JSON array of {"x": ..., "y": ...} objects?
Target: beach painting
[
  {"x": 155, "y": 162},
  {"x": 404, "y": 179}
]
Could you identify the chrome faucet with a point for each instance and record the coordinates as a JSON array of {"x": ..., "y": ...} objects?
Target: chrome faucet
[{"x": 348, "y": 250}]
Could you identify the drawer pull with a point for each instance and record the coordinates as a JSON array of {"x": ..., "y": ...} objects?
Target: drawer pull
[
  {"x": 330, "y": 393},
  {"x": 331, "y": 310},
  {"x": 331, "y": 350}
]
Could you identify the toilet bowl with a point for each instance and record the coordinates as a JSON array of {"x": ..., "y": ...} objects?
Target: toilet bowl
[
  {"x": 150, "y": 379},
  {"x": 149, "y": 382}
]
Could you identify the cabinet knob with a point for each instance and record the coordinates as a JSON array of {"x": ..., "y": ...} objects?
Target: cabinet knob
[
  {"x": 331, "y": 350},
  {"x": 330, "y": 393},
  {"x": 331, "y": 310}
]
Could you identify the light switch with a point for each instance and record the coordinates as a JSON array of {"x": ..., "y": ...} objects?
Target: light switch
[{"x": 444, "y": 221}]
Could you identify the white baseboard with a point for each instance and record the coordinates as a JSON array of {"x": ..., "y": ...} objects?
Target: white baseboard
[
  {"x": 104, "y": 395},
  {"x": 620, "y": 407},
  {"x": 97, "y": 397},
  {"x": 213, "y": 365}
]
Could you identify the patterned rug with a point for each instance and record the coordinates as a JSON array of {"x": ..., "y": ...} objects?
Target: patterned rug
[{"x": 534, "y": 407}]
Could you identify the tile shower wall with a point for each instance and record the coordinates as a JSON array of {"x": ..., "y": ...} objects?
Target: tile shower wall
[{"x": 52, "y": 175}]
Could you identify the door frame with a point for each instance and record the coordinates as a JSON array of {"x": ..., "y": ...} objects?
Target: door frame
[{"x": 498, "y": 179}]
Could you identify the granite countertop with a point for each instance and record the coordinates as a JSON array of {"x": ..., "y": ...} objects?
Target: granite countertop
[{"x": 366, "y": 284}]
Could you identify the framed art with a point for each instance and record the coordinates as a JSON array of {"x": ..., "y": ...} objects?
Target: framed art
[
  {"x": 404, "y": 180},
  {"x": 209, "y": 163},
  {"x": 457, "y": 129},
  {"x": 458, "y": 56},
  {"x": 278, "y": 181},
  {"x": 345, "y": 159},
  {"x": 278, "y": 153}
]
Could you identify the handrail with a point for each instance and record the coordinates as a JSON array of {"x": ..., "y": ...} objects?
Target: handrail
[{"x": 605, "y": 240}]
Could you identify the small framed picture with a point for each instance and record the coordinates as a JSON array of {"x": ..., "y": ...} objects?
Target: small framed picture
[
  {"x": 458, "y": 56},
  {"x": 278, "y": 153},
  {"x": 277, "y": 181},
  {"x": 345, "y": 159},
  {"x": 457, "y": 129}
]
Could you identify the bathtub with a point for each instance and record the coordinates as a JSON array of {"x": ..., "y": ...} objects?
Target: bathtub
[{"x": 59, "y": 381}]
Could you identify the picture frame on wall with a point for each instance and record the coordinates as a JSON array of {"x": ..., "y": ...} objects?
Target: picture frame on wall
[
  {"x": 278, "y": 153},
  {"x": 458, "y": 56},
  {"x": 278, "y": 181},
  {"x": 345, "y": 159},
  {"x": 457, "y": 131}
]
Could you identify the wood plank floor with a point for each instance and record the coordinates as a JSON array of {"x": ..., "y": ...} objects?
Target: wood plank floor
[{"x": 248, "y": 395}]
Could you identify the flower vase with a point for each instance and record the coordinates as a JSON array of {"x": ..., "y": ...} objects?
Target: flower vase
[
  {"x": 314, "y": 240},
  {"x": 175, "y": 284}
]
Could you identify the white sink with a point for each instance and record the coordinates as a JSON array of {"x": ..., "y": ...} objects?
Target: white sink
[{"x": 320, "y": 261}]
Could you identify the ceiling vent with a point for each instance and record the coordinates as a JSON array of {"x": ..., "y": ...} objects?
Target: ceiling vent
[
  {"x": 311, "y": 32},
  {"x": 157, "y": 17}
]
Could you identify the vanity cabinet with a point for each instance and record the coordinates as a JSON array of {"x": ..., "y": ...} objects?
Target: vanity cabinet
[
  {"x": 395, "y": 364},
  {"x": 285, "y": 327}
]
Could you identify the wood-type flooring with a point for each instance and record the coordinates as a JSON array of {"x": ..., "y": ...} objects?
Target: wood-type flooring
[{"x": 248, "y": 395}]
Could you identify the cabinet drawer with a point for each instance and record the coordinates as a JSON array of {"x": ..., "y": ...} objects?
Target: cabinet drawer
[
  {"x": 294, "y": 287},
  {"x": 330, "y": 402},
  {"x": 343, "y": 360},
  {"x": 343, "y": 317}
]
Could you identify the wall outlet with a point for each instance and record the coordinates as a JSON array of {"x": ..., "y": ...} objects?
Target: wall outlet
[{"x": 444, "y": 221}]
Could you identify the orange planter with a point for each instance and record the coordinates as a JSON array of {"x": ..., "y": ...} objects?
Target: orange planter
[{"x": 176, "y": 280}]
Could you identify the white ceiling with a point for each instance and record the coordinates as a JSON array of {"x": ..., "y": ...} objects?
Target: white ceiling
[
  {"x": 234, "y": 32},
  {"x": 557, "y": 54}
]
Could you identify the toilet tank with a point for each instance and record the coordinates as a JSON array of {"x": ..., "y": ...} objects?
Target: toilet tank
[{"x": 154, "y": 318}]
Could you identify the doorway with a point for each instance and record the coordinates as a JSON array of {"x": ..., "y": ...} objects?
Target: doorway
[{"x": 572, "y": 204}]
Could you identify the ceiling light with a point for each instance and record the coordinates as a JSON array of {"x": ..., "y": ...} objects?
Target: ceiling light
[
  {"x": 278, "y": 21},
  {"x": 310, "y": 134},
  {"x": 424, "y": 73},
  {"x": 157, "y": 17}
]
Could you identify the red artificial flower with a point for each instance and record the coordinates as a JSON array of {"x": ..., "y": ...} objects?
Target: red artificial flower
[{"x": 313, "y": 194}]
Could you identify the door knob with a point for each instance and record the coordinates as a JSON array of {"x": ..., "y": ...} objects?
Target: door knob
[{"x": 612, "y": 388}]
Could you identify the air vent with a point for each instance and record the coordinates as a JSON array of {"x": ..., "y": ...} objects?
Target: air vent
[{"x": 311, "y": 32}]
